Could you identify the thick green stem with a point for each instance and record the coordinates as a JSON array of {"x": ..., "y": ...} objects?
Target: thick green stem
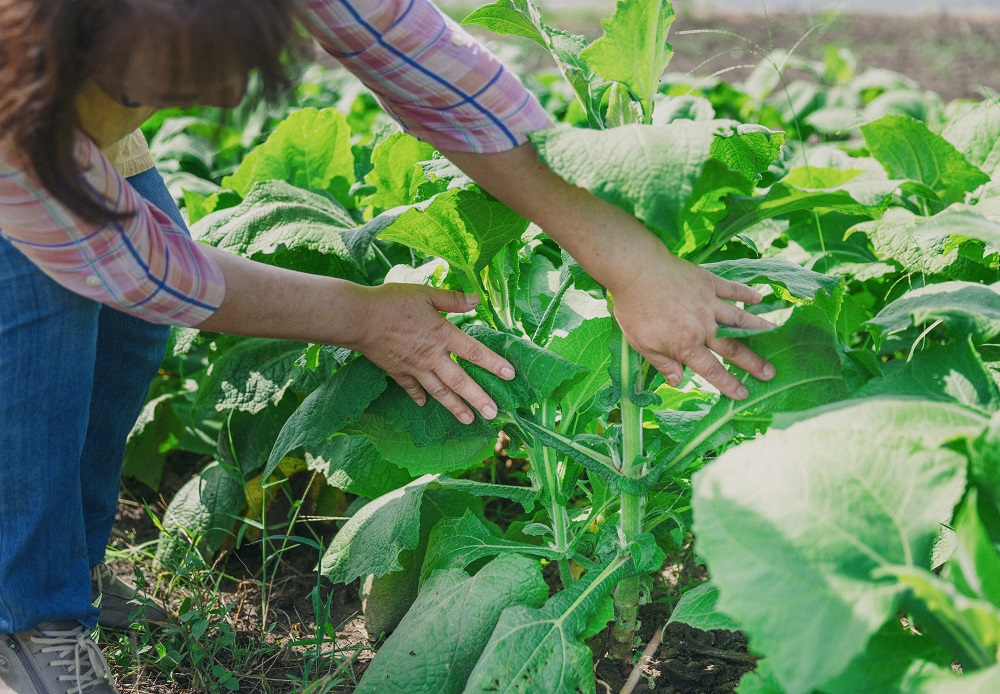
[
  {"x": 628, "y": 593},
  {"x": 550, "y": 480}
]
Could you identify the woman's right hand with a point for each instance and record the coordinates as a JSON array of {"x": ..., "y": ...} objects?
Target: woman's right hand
[{"x": 402, "y": 331}]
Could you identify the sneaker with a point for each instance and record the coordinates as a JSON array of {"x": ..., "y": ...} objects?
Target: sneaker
[
  {"x": 53, "y": 658},
  {"x": 118, "y": 600}
]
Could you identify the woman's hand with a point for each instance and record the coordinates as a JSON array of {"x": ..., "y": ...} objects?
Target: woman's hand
[
  {"x": 404, "y": 332},
  {"x": 670, "y": 310}
]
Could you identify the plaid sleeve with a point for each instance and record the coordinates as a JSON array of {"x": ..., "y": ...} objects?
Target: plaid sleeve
[
  {"x": 441, "y": 84},
  {"x": 143, "y": 265}
]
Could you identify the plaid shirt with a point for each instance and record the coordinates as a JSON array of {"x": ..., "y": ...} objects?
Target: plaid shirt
[{"x": 435, "y": 79}]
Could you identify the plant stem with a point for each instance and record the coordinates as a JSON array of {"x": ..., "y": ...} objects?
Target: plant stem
[
  {"x": 550, "y": 480},
  {"x": 628, "y": 592}
]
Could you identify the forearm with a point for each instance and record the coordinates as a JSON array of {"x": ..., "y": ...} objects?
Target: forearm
[
  {"x": 266, "y": 301},
  {"x": 577, "y": 220}
]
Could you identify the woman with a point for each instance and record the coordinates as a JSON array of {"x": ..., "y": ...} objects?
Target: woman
[{"x": 93, "y": 267}]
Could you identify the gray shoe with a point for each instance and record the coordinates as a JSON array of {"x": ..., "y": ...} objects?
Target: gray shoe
[
  {"x": 118, "y": 600},
  {"x": 53, "y": 658}
]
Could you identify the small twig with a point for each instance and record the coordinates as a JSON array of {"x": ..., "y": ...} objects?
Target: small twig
[
  {"x": 732, "y": 656},
  {"x": 647, "y": 655}
]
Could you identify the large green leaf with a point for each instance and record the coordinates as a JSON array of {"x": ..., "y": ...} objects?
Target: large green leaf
[
  {"x": 942, "y": 244},
  {"x": 800, "y": 518},
  {"x": 394, "y": 162},
  {"x": 370, "y": 542},
  {"x": 965, "y": 309},
  {"x": 352, "y": 463},
  {"x": 535, "y": 650},
  {"x": 252, "y": 373},
  {"x": 465, "y": 227},
  {"x": 789, "y": 281},
  {"x": 850, "y": 191},
  {"x": 651, "y": 171},
  {"x": 953, "y": 372},
  {"x": 587, "y": 346},
  {"x": 309, "y": 149},
  {"x": 541, "y": 374},
  {"x": 976, "y": 134},
  {"x": 634, "y": 48},
  {"x": 457, "y": 542},
  {"x": 449, "y": 625},
  {"x": 698, "y": 608},
  {"x": 287, "y": 226},
  {"x": 907, "y": 149},
  {"x": 945, "y": 681},
  {"x": 328, "y": 409},
  {"x": 804, "y": 354}
]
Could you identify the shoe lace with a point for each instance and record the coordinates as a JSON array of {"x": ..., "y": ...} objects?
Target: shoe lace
[{"x": 76, "y": 651}]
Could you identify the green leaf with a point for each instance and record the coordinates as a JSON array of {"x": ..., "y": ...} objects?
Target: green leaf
[
  {"x": 974, "y": 568},
  {"x": 202, "y": 513},
  {"x": 968, "y": 628},
  {"x": 804, "y": 353},
  {"x": 328, "y": 409},
  {"x": 833, "y": 497},
  {"x": 246, "y": 439},
  {"x": 457, "y": 542},
  {"x": 907, "y": 149},
  {"x": 352, "y": 463},
  {"x": 310, "y": 149},
  {"x": 976, "y": 134},
  {"x": 945, "y": 681},
  {"x": 698, "y": 608},
  {"x": 395, "y": 168},
  {"x": 277, "y": 222},
  {"x": 198, "y": 206},
  {"x": 535, "y": 650},
  {"x": 448, "y": 455},
  {"x": 790, "y": 282},
  {"x": 253, "y": 373},
  {"x": 953, "y": 372},
  {"x": 934, "y": 245},
  {"x": 648, "y": 171},
  {"x": 889, "y": 661},
  {"x": 634, "y": 49},
  {"x": 541, "y": 374},
  {"x": 647, "y": 557},
  {"x": 450, "y": 624},
  {"x": 370, "y": 542},
  {"x": 586, "y": 346},
  {"x": 966, "y": 309},
  {"x": 850, "y": 191},
  {"x": 511, "y": 18},
  {"x": 752, "y": 153},
  {"x": 464, "y": 227}
]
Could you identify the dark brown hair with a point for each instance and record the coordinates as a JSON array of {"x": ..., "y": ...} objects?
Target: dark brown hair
[{"x": 49, "y": 48}]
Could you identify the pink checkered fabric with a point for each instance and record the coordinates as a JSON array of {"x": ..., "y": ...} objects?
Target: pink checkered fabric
[
  {"x": 436, "y": 80},
  {"x": 143, "y": 265},
  {"x": 441, "y": 84}
]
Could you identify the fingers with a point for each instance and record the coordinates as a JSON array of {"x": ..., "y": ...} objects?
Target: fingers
[
  {"x": 734, "y": 291},
  {"x": 671, "y": 369},
  {"x": 738, "y": 353},
  {"x": 452, "y": 302},
  {"x": 734, "y": 316},
  {"x": 704, "y": 363},
  {"x": 461, "y": 389},
  {"x": 412, "y": 387},
  {"x": 474, "y": 351}
]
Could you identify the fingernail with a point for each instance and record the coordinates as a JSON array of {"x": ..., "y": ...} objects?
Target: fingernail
[
  {"x": 472, "y": 299},
  {"x": 507, "y": 372},
  {"x": 742, "y": 393},
  {"x": 465, "y": 418},
  {"x": 490, "y": 411},
  {"x": 769, "y": 371},
  {"x": 673, "y": 379}
]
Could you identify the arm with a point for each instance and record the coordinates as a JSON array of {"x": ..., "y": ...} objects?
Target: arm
[
  {"x": 668, "y": 308},
  {"x": 146, "y": 266}
]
